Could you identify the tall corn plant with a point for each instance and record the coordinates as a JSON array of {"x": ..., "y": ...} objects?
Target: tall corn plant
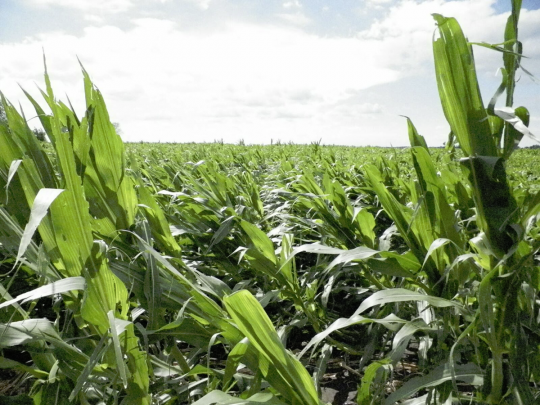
[
  {"x": 84, "y": 194},
  {"x": 497, "y": 320},
  {"x": 487, "y": 137}
]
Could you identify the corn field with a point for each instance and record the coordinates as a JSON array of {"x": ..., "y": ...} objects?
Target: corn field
[{"x": 219, "y": 274}]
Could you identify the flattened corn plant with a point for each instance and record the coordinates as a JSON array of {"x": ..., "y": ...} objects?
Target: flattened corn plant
[{"x": 218, "y": 274}]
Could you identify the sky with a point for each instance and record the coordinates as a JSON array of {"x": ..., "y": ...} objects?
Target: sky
[{"x": 340, "y": 72}]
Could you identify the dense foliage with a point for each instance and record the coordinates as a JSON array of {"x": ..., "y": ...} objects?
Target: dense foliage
[{"x": 173, "y": 274}]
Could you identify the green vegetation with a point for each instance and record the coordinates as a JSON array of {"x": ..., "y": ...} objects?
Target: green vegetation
[{"x": 221, "y": 274}]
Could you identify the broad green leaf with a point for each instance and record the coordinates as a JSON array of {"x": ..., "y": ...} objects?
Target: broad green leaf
[
  {"x": 260, "y": 241},
  {"x": 233, "y": 360},
  {"x": 104, "y": 291},
  {"x": 495, "y": 204},
  {"x": 404, "y": 335},
  {"x": 208, "y": 308},
  {"x": 404, "y": 295},
  {"x": 107, "y": 146},
  {"x": 158, "y": 223},
  {"x": 321, "y": 366},
  {"x": 437, "y": 244},
  {"x": 31, "y": 184},
  {"x": 288, "y": 267},
  {"x": 222, "y": 232},
  {"x": 69, "y": 212},
  {"x": 275, "y": 362},
  {"x": 468, "y": 373},
  {"x": 415, "y": 139},
  {"x": 458, "y": 89}
]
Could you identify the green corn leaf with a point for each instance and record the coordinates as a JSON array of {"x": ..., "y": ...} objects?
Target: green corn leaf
[
  {"x": 288, "y": 268},
  {"x": 391, "y": 322},
  {"x": 104, "y": 291},
  {"x": 93, "y": 361},
  {"x": 468, "y": 373},
  {"x": 404, "y": 335},
  {"x": 459, "y": 91},
  {"x": 115, "y": 330},
  {"x": 21, "y": 313},
  {"x": 366, "y": 222},
  {"x": 260, "y": 241},
  {"x": 152, "y": 288},
  {"x": 109, "y": 157},
  {"x": 208, "y": 308},
  {"x": 321, "y": 366},
  {"x": 222, "y": 232},
  {"x": 519, "y": 120},
  {"x": 24, "y": 137},
  {"x": 43, "y": 118},
  {"x": 380, "y": 298},
  {"x": 233, "y": 360},
  {"x": 400, "y": 214},
  {"x": 187, "y": 330},
  {"x": 370, "y": 386},
  {"x": 8, "y": 364},
  {"x": 495, "y": 204},
  {"x": 295, "y": 383},
  {"x": 69, "y": 212},
  {"x": 138, "y": 390},
  {"x": 158, "y": 223},
  {"x": 403, "y": 295},
  {"x": 415, "y": 139}
]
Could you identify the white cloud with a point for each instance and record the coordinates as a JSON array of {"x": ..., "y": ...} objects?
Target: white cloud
[
  {"x": 202, "y": 4},
  {"x": 294, "y": 14},
  {"x": 93, "y": 18},
  {"x": 102, "y": 6},
  {"x": 377, "y": 4},
  {"x": 244, "y": 73},
  {"x": 292, "y": 4},
  {"x": 298, "y": 18},
  {"x": 405, "y": 33}
]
